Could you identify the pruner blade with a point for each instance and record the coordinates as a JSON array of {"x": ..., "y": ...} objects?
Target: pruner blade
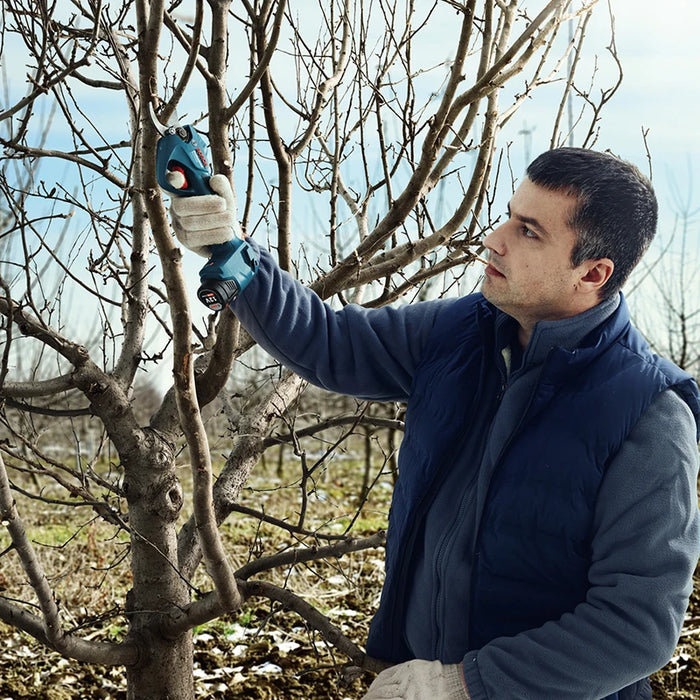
[{"x": 161, "y": 128}]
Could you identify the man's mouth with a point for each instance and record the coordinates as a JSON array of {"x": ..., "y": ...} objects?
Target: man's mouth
[{"x": 491, "y": 271}]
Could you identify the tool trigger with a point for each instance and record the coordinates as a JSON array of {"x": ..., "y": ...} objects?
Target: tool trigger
[{"x": 177, "y": 177}]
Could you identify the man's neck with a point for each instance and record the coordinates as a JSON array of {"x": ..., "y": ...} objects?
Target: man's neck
[{"x": 524, "y": 333}]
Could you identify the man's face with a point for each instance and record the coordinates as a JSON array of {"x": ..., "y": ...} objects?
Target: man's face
[{"x": 529, "y": 275}]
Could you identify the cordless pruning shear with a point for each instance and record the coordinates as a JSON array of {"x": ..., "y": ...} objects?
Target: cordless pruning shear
[{"x": 182, "y": 169}]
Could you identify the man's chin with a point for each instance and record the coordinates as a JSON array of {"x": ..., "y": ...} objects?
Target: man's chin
[
  {"x": 487, "y": 290},
  {"x": 491, "y": 295}
]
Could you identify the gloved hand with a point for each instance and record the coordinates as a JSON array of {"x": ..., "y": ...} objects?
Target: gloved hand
[
  {"x": 203, "y": 220},
  {"x": 419, "y": 680}
]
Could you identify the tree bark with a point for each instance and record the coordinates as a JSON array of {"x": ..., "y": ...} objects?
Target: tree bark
[{"x": 164, "y": 668}]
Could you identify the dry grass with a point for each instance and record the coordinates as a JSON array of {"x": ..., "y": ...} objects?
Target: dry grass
[{"x": 264, "y": 652}]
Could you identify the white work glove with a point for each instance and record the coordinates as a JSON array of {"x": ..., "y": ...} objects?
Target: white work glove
[
  {"x": 419, "y": 680},
  {"x": 203, "y": 220}
]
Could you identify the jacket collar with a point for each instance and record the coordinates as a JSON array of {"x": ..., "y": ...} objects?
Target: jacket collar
[{"x": 568, "y": 334}]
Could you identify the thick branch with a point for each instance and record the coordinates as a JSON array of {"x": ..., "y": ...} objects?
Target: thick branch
[
  {"x": 239, "y": 464},
  {"x": 28, "y": 390},
  {"x": 93, "y": 652},
  {"x": 263, "y": 60},
  {"x": 183, "y": 360},
  {"x": 504, "y": 68},
  {"x": 107, "y": 398},
  {"x": 332, "y": 634},
  {"x": 209, "y": 607}
]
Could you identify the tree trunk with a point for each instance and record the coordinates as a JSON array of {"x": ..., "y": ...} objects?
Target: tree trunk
[
  {"x": 155, "y": 498},
  {"x": 166, "y": 672}
]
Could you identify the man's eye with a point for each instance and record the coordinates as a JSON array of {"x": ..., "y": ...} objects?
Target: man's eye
[{"x": 528, "y": 233}]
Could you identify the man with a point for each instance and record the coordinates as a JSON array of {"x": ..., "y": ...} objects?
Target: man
[{"x": 544, "y": 527}]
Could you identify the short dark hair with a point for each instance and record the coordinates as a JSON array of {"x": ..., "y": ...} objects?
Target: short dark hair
[{"x": 617, "y": 208}]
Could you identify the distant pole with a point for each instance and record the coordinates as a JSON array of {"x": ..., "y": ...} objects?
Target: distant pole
[
  {"x": 526, "y": 133},
  {"x": 569, "y": 101}
]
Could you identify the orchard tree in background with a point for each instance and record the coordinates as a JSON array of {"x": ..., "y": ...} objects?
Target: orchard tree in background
[
  {"x": 367, "y": 114},
  {"x": 671, "y": 279}
]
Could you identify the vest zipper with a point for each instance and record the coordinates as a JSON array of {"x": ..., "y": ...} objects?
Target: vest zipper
[
  {"x": 497, "y": 464},
  {"x": 402, "y": 573},
  {"x": 448, "y": 540}
]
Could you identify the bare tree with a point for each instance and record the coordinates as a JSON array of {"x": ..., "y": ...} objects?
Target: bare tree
[
  {"x": 341, "y": 112},
  {"x": 667, "y": 286}
]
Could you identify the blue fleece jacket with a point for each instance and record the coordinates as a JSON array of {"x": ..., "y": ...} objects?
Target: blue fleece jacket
[{"x": 649, "y": 523}]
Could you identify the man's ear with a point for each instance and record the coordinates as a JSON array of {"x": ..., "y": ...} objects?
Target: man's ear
[{"x": 595, "y": 274}]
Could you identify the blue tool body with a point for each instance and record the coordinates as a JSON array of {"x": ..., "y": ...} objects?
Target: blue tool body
[
  {"x": 182, "y": 148},
  {"x": 227, "y": 273},
  {"x": 182, "y": 151}
]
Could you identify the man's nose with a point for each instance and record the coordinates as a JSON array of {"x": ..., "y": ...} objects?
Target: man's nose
[{"x": 495, "y": 241}]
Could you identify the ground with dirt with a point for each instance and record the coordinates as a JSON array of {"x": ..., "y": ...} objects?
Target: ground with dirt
[
  {"x": 264, "y": 653},
  {"x": 263, "y": 659}
]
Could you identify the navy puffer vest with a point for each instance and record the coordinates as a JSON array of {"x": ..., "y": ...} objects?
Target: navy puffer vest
[{"x": 532, "y": 548}]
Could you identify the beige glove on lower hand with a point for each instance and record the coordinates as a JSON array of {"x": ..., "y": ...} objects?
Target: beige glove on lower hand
[
  {"x": 203, "y": 220},
  {"x": 419, "y": 680}
]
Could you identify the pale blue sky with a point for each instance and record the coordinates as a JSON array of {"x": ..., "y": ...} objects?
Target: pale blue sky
[{"x": 658, "y": 44}]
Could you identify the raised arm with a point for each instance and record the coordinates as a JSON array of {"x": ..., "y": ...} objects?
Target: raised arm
[{"x": 368, "y": 353}]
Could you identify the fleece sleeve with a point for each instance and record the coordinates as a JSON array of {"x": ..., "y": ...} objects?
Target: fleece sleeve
[
  {"x": 645, "y": 549},
  {"x": 368, "y": 353}
]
